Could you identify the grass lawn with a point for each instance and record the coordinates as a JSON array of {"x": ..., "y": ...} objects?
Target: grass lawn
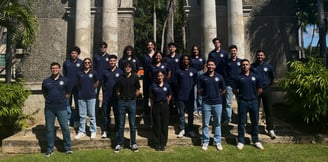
[{"x": 272, "y": 152}]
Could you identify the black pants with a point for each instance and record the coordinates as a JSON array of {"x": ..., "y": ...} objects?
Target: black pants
[
  {"x": 160, "y": 112},
  {"x": 266, "y": 98}
]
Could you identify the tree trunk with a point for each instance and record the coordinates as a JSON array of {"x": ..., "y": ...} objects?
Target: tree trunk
[
  {"x": 170, "y": 21},
  {"x": 8, "y": 58},
  {"x": 322, "y": 31}
]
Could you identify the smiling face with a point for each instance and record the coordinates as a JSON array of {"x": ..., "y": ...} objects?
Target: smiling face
[
  {"x": 233, "y": 52},
  {"x": 87, "y": 63},
  {"x": 211, "y": 66},
  {"x": 74, "y": 55},
  {"x": 160, "y": 76},
  {"x": 55, "y": 70},
  {"x": 260, "y": 56}
]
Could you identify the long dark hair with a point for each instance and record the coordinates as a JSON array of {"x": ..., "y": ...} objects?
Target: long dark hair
[
  {"x": 125, "y": 54},
  {"x": 192, "y": 54}
]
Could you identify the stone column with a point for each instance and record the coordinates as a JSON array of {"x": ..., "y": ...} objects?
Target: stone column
[
  {"x": 209, "y": 24},
  {"x": 83, "y": 27},
  {"x": 236, "y": 26},
  {"x": 110, "y": 25}
]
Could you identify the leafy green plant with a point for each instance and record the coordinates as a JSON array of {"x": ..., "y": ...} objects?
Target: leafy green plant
[
  {"x": 306, "y": 85},
  {"x": 12, "y": 97}
]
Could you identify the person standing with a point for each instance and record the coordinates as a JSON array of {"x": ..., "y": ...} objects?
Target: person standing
[
  {"x": 70, "y": 69},
  {"x": 198, "y": 63},
  {"x": 266, "y": 72},
  {"x": 186, "y": 78},
  {"x": 56, "y": 91},
  {"x": 247, "y": 87},
  {"x": 219, "y": 55},
  {"x": 232, "y": 70},
  {"x": 129, "y": 55},
  {"x": 211, "y": 87},
  {"x": 110, "y": 78},
  {"x": 161, "y": 95},
  {"x": 87, "y": 87},
  {"x": 100, "y": 64},
  {"x": 127, "y": 89}
]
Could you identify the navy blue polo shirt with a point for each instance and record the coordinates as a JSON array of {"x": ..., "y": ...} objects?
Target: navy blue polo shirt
[
  {"x": 220, "y": 58},
  {"x": 247, "y": 86},
  {"x": 55, "y": 92},
  {"x": 100, "y": 64},
  {"x": 186, "y": 80},
  {"x": 154, "y": 69},
  {"x": 134, "y": 61},
  {"x": 198, "y": 63},
  {"x": 232, "y": 70},
  {"x": 70, "y": 69},
  {"x": 265, "y": 71},
  {"x": 86, "y": 91},
  {"x": 173, "y": 63},
  {"x": 211, "y": 87},
  {"x": 109, "y": 81},
  {"x": 160, "y": 93}
]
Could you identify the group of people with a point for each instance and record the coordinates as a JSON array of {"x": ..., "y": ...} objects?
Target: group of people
[{"x": 187, "y": 83}]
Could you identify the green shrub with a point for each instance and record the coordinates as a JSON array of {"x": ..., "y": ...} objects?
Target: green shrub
[
  {"x": 12, "y": 97},
  {"x": 306, "y": 85}
]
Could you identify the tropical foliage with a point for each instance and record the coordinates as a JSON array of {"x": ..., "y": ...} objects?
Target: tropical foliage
[{"x": 306, "y": 85}]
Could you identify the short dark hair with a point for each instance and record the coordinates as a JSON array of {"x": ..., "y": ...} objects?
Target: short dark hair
[
  {"x": 76, "y": 48},
  {"x": 103, "y": 43},
  {"x": 211, "y": 60},
  {"x": 216, "y": 39},
  {"x": 232, "y": 47},
  {"x": 127, "y": 63},
  {"x": 259, "y": 51},
  {"x": 171, "y": 44},
  {"x": 54, "y": 64},
  {"x": 243, "y": 60},
  {"x": 112, "y": 56}
]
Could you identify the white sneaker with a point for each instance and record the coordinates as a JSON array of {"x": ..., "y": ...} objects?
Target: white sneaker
[
  {"x": 181, "y": 134},
  {"x": 79, "y": 135},
  {"x": 93, "y": 135},
  {"x": 204, "y": 146},
  {"x": 259, "y": 145},
  {"x": 272, "y": 134},
  {"x": 104, "y": 135},
  {"x": 240, "y": 146},
  {"x": 219, "y": 147}
]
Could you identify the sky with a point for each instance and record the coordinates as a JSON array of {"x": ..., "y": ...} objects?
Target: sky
[{"x": 307, "y": 37}]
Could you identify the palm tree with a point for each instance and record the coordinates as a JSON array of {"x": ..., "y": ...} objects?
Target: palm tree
[{"x": 18, "y": 18}]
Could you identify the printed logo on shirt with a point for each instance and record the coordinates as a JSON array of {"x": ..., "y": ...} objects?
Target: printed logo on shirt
[
  {"x": 107, "y": 59},
  {"x": 164, "y": 89},
  {"x": 238, "y": 63},
  {"x": 200, "y": 59},
  {"x": 90, "y": 75},
  {"x": 78, "y": 65},
  {"x": 191, "y": 74},
  {"x": 134, "y": 60},
  {"x": 176, "y": 60},
  {"x": 253, "y": 78},
  {"x": 265, "y": 69},
  {"x": 117, "y": 75},
  {"x": 162, "y": 67},
  {"x": 216, "y": 79},
  {"x": 61, "y": 82},
  {"x": 221, "y": 55}
]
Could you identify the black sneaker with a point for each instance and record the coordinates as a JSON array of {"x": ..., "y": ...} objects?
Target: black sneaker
[
  {"x": 49, "y": 153},
  {"x": 118, "y": 148},
  {"x": 134, "y": 148}
]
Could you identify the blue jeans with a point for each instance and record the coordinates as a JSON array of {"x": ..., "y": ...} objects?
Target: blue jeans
[
  {"x": 87, "y": 107},
  {"x": 252, "y": 108},
  {"x": 69, "y": 111},
  {"x": 216, "y": 111},
  {"x": 61, "y": 115},
  {"x": 228, "y": 108},
  {"x": 186, "y": 105},
  {"x": 106, "y": 106},
  {"x": 127, "y": 106}
]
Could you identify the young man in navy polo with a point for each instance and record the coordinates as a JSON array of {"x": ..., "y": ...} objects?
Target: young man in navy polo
[
  {"x": 186, "y": 78},
  {"x": 219, "y": 55},
  {"x": 70, "y": 69},
  {"x": 266, "y": 72},
  {"x": 110, "y": 78},
  {"x": 232, "y": 70},
  {"x": 100, "y": 64},
  {"x": 56, "y": 91},
  {"x": 211, "y": 87},
  {"x": 247, "y": 87}
]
